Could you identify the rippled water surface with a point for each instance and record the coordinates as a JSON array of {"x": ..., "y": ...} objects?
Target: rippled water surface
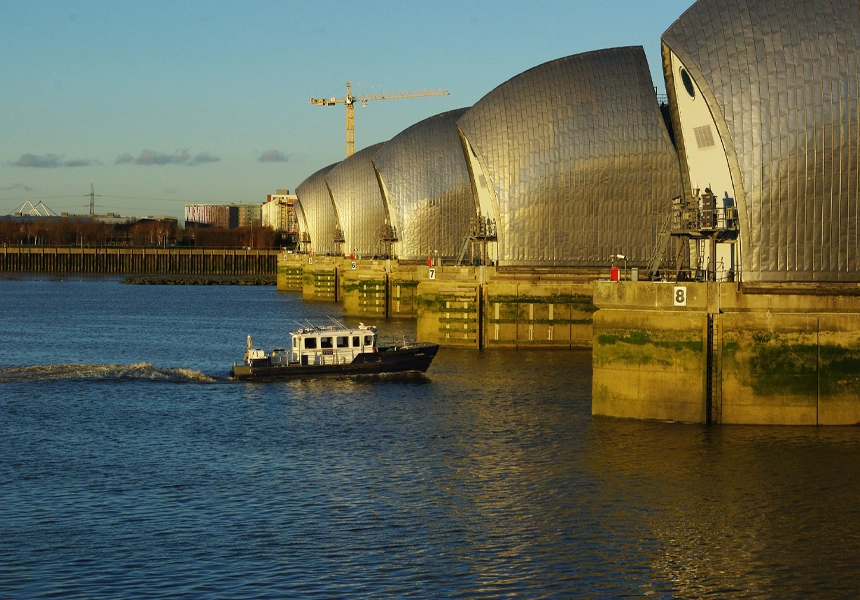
[{"x": 130, "y": 466}]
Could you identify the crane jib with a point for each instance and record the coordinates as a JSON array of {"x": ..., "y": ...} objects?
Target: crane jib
[{"x": 350, "y": 101}]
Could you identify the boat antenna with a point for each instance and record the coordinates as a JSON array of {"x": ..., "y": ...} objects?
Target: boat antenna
[
  {"x": 306, "y": 325},
  {"x": 336, "y": 322}
]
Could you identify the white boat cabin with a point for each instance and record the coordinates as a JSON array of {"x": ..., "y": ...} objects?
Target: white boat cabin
[{"x": 325, "y": 345}]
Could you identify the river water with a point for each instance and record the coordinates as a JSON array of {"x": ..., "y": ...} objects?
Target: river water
[{"x": 130, "y": 466}]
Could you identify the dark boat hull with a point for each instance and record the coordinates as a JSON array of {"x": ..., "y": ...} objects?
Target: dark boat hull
[{"x": 415, "y": 357}]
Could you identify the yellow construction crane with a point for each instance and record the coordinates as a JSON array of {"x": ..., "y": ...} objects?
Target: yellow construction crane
[{"x": 350, "y": 101}]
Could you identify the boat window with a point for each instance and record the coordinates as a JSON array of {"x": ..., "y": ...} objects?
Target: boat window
[
  {"x": 326, "y": 342},
  {"x": 295, "y": 342},
  {"x": 343, "y": 341},
  {"x": 368, "y": 340},
  {"x": 310, "y": 343},
  {"x": 356, "y": 341}
]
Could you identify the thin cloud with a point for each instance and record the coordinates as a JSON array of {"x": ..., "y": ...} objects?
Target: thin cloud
[
  {"x": 150, "y": 157},
  {"x": 17, "y": 186},
  {"x": 50, "y": 161},
  {"x": 273, "y": 156},
  {"x": 45, "y": 161},
  {"x": 203, "y": 158},
  {"x": 80, "y": 163}
]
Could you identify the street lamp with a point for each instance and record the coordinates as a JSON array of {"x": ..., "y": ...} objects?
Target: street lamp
[{"x": 624, "y": 258}]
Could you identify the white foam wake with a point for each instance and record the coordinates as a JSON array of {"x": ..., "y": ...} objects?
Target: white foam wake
[{"x": 95, "y": 371}]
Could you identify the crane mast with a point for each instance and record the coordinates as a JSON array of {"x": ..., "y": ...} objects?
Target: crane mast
[{"x": 349, "y": 101}]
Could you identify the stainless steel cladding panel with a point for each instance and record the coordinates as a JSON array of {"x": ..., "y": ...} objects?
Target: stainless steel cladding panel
[
  {"x": 301, "y": 220},
  {"x": 579, "y": 159},
  {"x": 781, "y": 79},
  {"x": 425, "y": 183},
  {"x": 358, "y": 202},
  {"x": 320, "y": 217}
]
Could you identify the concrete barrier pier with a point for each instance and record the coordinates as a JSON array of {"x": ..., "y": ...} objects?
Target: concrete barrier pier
[{"x": 722, "y": 353}]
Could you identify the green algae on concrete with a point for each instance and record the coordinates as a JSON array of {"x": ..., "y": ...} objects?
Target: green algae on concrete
[
  {"x": 290, "y": 268},
  {"x": 759, "y": 358},
  {"x": 769, "y": 368},
  {"x": 289, "y": 278},
  {"x": 448, "y": 313},
  {"x": 794, "y": 369},
  {"x": 320, "y": 280},
  {"x": 839, "y": 378},
  {"x": 652, "y": 372},
  {"x": 674, "y": 341},
  {"x": 368, "y": 300},
  {"x": 402, "y": 293},
  {"x": 532, "y": 312},
  {"x": 839, "y": 369},
  {"x": 363, "y": 288},
  {"x": 480, "y": 307},
  {"x": 378, "y": 288}
]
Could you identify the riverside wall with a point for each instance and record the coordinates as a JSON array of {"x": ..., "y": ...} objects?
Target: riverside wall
[
  {"x": 132, "y": 261},
  {"x": 699, "y": 352},
  {"x": 320, "y": 279},
  {"x": 449, "y": 302},
  {"x": 471, "y": 307},
  {"x": 480, "y": 307},
  {"x": 781, "y": 354},
  {"x": 367, "y": 288},
  {"x": 378, "y": 288},
  {"x": 290, "y": 271}
]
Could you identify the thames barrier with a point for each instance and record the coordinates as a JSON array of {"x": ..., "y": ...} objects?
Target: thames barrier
[{"x": 705, "y": 243}]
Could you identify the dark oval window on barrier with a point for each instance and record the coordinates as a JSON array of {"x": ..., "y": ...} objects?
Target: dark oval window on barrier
[{"x": 688, "y": 83}]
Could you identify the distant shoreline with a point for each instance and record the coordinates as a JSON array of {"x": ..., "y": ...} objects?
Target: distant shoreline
[{"x": 202, "y": 280}]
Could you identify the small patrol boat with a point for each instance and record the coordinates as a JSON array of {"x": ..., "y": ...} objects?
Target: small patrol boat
[{"x": 333, "y": 350}]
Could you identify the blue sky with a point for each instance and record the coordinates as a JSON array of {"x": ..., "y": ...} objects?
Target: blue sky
[{"x": 160, "y": 104}]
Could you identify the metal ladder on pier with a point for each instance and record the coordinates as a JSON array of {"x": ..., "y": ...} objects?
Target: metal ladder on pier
[
  {"x": 659, "y": 252},
  {"x": 713, "y": 375},
  {"x": 463, "y": 249}
]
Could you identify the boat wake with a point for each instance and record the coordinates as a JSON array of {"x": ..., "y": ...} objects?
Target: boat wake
[{"x": 144, "y": 371}]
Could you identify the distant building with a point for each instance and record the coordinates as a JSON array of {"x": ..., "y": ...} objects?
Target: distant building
[
  {"x": 28, "y": 212},
  {"x": 28, "y": 209},
  {"x": 111, "y": 218},
  {"x": 210, "y": 215},
  {"x": 250, "y": 214},
  {"x": 227, "y": 216},
  {"x": 279, "y": 212}
]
